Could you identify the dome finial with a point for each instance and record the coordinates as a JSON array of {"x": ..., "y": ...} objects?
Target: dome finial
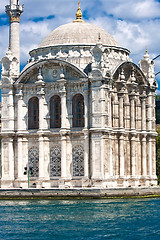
[{"x": 78, "y": 14}]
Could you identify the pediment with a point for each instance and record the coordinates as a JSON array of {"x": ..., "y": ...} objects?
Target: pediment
[
  {"x": 127, "y": 68},
  {"x": 51, "y": 71}
]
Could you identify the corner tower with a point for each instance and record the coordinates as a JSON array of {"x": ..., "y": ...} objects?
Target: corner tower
[{"x": 14, "y": 11}]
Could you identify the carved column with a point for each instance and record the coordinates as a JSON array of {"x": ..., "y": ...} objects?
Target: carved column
[
  {"x": 86, "y": 154},
  {"x": 41, "y": 157},
  {"x": 11, "y": 110},
  {"x": 149, "y": 153},
  {"x": 144, "y": 162},
  {"x": 86, "y": 110},
  {"x": 121, "y": 118},
  {"x": 132, "y": 113},
  {"x": 153, "y": 111},
  {"x": 143, "y": 107},
  {"x": 63, "y": 155},
  {"x": 40, "y": 86},
  {"x": 64, "y": 124},
  {"x": 150, "y": 107},
  {"x": 154, "y": 156},
  {"x": 7, "y": 162},
  {"x": 20, "y": 158},
  {"x": 121, "y": 154},
  {"x": 133, "y": 156},
  {"x": 102, "y": 98},
  {"x": 20, "y": 115},
  {"x": 41, "y": 112},
  {"x": 110, "y": 113},
  {"x": 110, "y": 155},
  {"x": 63, "y": 103}
]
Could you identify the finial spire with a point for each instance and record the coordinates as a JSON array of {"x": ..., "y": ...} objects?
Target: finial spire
[{"x": 78, "y": 14}]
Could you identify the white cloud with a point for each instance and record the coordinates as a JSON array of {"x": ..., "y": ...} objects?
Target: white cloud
[
  {"x": 134, "y": 10},
  {"x": 3, "y": 3}
]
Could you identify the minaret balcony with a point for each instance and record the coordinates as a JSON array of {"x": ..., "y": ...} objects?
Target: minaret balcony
[{"x": 14, "y": 10}]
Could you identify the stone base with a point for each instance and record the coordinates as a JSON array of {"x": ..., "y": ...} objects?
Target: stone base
[{"x": 114, "y": 182}]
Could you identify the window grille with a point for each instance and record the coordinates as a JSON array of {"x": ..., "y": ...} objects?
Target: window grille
[
  {"x": 33, "y": 162},
  {"x": 78, "y": 161},
  {"x": 33, "y": 113},
  {"x": 78, "y": 110},
  {"x": 55, "y": 162},
  {"x": 55, "y": 112}
]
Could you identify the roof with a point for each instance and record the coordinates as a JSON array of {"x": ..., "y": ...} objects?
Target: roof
[{"x": 78, "y": 33}]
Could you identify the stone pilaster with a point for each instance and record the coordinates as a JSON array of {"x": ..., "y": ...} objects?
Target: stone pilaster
[
  {"x": 20, "y": 114},
  {"x": 86, "y": 110},
  {"x": 102, "y": 100},
  {"x": 63, "y": 155},
  {"x": 121, "y": 155},
  {"x": 133, "y": 155},
  {"x": 149, "y": 154},
  {"x": 149, "y": 112},
  {"x": 11, "y": 110},
  {"x": 110, "y": 111},
  {"x": 121, "y": 117},
  {"x": 64, "y": 115},
  {"x": 154, "y": 157},
  {"x": 86, "y": 153},
  {"x": 7, "y": 163},
  {"x": 20, "y": 158},
  {"x": 143, "y": 107},
  {"x": 40, "y": 92},
  {"x": 41, "y": 157},
  {"x": 144, "y": 162},
  {"x": 132, "y": 112},
  {"x": 110, "y": 156}
]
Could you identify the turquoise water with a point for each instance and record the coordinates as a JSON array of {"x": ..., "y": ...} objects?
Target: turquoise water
[{"x": 84, "y": 219}]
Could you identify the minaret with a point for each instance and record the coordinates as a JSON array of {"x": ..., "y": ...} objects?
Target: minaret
[{"x": 14, "y": 11}]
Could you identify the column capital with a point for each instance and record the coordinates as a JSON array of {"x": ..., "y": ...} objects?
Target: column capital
[
  {"x": 143, "y": 98},
  {"x": 121, "y": 94},
  {"x": 132, "y": 96},
  {"x": 64, "y": 132}
]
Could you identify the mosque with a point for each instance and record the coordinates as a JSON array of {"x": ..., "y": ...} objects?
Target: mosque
[{"x": 80, "y": 114}]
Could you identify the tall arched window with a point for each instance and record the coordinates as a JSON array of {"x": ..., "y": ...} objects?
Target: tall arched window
[
  {"x": 78, "y": 161},
  {"x": 55, "y": 112},
  {"x": 33, "y": 113},
  {"x": 78, "y": 110}
]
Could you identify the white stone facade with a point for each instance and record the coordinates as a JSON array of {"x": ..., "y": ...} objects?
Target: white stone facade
[{"x": 80, "y": 114}]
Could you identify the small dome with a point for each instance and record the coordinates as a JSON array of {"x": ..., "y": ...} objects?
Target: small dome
[{"x": 78, "y": 33}]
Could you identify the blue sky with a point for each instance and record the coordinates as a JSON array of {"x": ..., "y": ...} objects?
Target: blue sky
[{"x": 134, "y": 24}]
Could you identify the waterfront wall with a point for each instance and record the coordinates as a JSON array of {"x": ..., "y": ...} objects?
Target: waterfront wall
[{"x": 78, "y": 193}]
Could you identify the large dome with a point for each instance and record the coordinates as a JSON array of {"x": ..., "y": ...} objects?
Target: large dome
[{"x": 78, "y": 33}]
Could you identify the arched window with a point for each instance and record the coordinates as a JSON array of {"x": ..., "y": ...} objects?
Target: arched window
[
  {"x": 55, "y": 112},
  {"x": 33, "y": 113},
  {"x": 55, "y": 162},
  {"x": 33, "y": 162},
  {"x": 78, "y": 110},
  {"x": 78, "y": 161}
]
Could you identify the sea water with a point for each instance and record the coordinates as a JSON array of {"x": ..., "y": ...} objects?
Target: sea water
[{"x": 80, "y": 219}]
